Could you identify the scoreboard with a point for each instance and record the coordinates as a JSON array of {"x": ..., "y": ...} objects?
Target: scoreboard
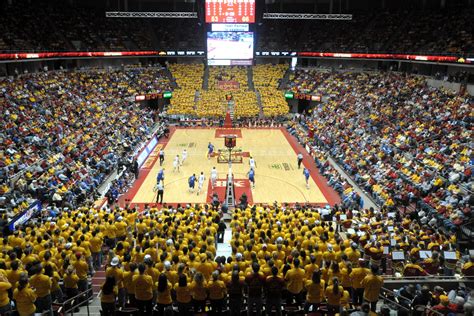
[{"x": 230, "y": 11}]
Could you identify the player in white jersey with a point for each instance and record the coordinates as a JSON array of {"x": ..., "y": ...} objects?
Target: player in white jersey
[
  {"x": 176, "y": 163},
  {"x": 213, "y": 177},
  {"x": 200, "y": 182},
  {"x": 252, "y": 163},
  {"x": 184, "y": 155}
]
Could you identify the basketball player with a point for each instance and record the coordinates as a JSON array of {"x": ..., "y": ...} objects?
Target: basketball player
[
  {"x": 200, "y": 182},
  {"x": 210, "y": 150},
  {"x": 251, "y": 175},
  {"x": 252, "y": 163},
  {"x": 176, "y": 163},
  {"x": 191, "y": 182},
  {"x": 184, "y": 155},
  {"x": 213, "y": 177},
  {"x": 306, "y": 176},
  {"x": 161, "y": 175}
]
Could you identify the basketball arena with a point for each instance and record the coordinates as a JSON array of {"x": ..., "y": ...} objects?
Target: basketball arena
[{"x": 236, "y": 157}]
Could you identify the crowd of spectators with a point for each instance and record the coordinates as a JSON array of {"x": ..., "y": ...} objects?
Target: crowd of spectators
[
  {"x": 454, "y": 302},
  {"x": 435, "y": 32},
  {"x": 401, "y": 141},
  {"x": 59, "y": 26},
  {"x": 188, "y": 79},
  {"x": 267, "y": 79},
  {"x": 64, "y": 132},
  {"x": 194, "y": 99},
  {"x": 282, "y": 257}
]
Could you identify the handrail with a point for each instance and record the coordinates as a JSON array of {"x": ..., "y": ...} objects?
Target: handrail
[
  {"x": 408, "y": 309},
  {"x": 398, "y": 305},
  {"x": 70, "y": 300},
  {"x": 73, "y": 304}
]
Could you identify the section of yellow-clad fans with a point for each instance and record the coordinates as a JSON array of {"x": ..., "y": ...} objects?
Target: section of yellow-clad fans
[
  {"x": 265, "y": 78},
  {"x": 213, "y": 102},
  {"x": 189, "y": 80}
]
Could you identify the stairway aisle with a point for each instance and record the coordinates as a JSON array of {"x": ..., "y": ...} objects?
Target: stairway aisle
[
  {"x": 259, "y": 102},
  {"x": 205, "y": 78},
  {"x": 250, "y": 78},
  {"x": 225, "y": 249}
]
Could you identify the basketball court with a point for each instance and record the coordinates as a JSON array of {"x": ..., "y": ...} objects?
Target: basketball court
[{"x": 277, "y": 177}]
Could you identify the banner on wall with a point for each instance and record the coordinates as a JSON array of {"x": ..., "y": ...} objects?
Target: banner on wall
[
  {"x": 24, "y": 216},
  {"x": 228, "y": 85}
]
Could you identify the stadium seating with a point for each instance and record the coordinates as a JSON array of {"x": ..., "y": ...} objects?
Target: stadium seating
[
  {"x": 391, "y": 132},
  {"x": 189, "y": 80},
  {"x": 35, "y": 27},
  {"x": 31, "y": 26},
  {"x": 383, "y": 32},
  {"x": 65, "y": 131},
  {"x": 212, "y": 102},
  {"x": 266, "y": 79},
  {"x": 407, "y": 146},
  {"x": 176, "y": 241}
]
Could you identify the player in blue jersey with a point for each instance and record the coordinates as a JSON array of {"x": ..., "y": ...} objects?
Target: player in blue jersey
[
  {"x": 192, "y": 182},
  {"x": 251, "y": 175},
  {"x": 210, "y": 150},
  {"x": 306, "y": 177},
  {"x": 160, "y": 176}
]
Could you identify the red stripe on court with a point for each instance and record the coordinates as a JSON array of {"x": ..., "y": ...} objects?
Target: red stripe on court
[
  {"x": 329, "y": 193},
  {"x": 144, "y": 171}
]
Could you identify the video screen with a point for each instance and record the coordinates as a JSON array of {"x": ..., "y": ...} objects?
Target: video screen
[
  {"x": 230, "y": 11},
  {"x": 230, "y": 48}
]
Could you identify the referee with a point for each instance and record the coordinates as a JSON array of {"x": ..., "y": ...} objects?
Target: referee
[
  {"x": 300, "y": 160},
  {"x": 160, "y": 190}
]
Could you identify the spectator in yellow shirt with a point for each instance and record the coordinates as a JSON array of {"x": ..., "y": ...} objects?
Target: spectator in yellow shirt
[
  {"x": 143, "y": 291},
  {"x": 372, "y": 285},
  {"x": 56, "y": 292},
  {"x": 96, "y": 249},
  {"x": 217, "y": 293},
  {"x": 334, "y": 294},
  {"x": 314, "y": 292},
  {"x": 199, "y": 293},
  {"x": 24, "y": 297},
  {"x": 110, "y": 234},
  {"x": 357, "y": 275},
  {"x": 128, "y": 282},
  {"x": 42, "y": 285},
  {"x": 116, "y": 271},
  {"x": 108, "y": 295},
  {"x": 70, "y": 282},
  {"x": 13, "y": 274},
  {"x": 5, "y": 285},
  {"x": 163, "y": 298},
  {"x": 295, "y": 282},
  {"x": 82, "y": 268},
  {"x": 468, "y": 268},
  {"x": 183, "y": 295},
  {"x": 120, "y": 229},
  {"x": 413, "y": 269}
]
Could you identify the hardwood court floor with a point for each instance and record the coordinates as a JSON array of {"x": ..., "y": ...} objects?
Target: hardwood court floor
[{"x": 277, "y": 175}]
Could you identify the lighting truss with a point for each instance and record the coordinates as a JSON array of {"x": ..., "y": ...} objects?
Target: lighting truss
[
  {"x": 306, "y": 16},
  {"x": 169, "y": 15}
]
